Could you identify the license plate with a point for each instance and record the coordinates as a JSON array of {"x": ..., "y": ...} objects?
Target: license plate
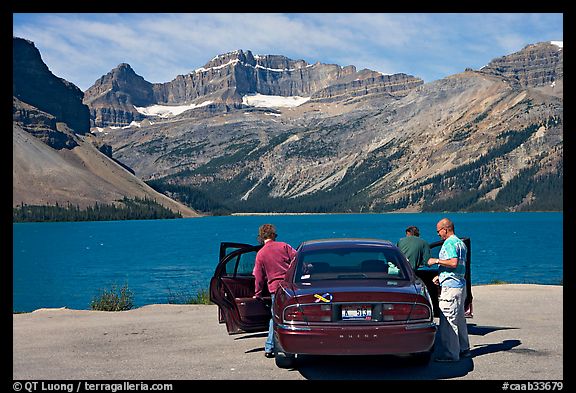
[{"x": 357, "y": 312}]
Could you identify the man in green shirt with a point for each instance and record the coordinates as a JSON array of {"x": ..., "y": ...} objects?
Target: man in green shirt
[{"x": 414, "y": 248}]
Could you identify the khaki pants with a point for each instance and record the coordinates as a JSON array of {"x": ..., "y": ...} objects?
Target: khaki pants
[{"x": 453, "y": 333}]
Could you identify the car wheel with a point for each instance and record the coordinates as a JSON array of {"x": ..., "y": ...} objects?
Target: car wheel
[
  {"x": 285, "y": 360},
  {"x": 422, "y": 358}
]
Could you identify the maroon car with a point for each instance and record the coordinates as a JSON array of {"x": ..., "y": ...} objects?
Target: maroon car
[{"x": 339, "y": 297}]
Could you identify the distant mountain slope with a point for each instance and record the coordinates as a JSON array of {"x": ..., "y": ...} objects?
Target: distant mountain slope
[
  {"x": 489, "y": 139},
  {"x": 53, "y": 161},
  {"x": 81, "y": 176}
]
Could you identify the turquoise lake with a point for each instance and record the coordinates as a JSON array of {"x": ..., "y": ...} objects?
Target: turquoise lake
[{"x": 66, "y": 264}]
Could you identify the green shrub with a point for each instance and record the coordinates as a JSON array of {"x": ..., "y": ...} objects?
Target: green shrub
[
  {"x": 202, "y": 296},
  {"x": 114, "y": 299}
]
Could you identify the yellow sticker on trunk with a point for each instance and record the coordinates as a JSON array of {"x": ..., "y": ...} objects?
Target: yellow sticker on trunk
[{"x": 326, "y": 298}]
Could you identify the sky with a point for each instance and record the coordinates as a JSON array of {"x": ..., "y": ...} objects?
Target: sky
[{"x": 81, "y": 47}]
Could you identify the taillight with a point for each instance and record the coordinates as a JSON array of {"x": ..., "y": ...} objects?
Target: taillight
[
  {"x": 308, "y": 313},
  {"x": 404, "y": 312},
  {"x": 420, "y": 311},
  {"x": 396, "y": 311}
]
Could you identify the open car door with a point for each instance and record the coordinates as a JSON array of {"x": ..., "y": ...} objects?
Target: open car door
[
  {"x": 232, "y": 289},
  {"x": 427, "y": 273}
]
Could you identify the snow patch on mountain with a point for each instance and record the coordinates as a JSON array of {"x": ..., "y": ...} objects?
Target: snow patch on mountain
[
  {"x": 266, "y": 101},
  {"x": 559, "y": 44},
  {"x": 168, "y": 110}
]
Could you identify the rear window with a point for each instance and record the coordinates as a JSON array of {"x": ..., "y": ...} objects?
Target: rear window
[{"x": 350, "y": 263}]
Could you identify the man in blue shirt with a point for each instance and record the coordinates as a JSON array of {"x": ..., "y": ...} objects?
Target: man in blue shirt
[{"x": 451, "y": 261}]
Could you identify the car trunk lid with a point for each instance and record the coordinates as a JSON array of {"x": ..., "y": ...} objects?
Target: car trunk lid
[{"x": 350, "y": 291}]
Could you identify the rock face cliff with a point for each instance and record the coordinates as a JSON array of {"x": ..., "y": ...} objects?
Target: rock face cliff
[
  {"x": 490, "y": 139},
  {"x": 55, "y": 159},
  {"x": 228, "y": 78},
  {"x": 34, "y": 83},
  {"x": 42, "y": 125}
]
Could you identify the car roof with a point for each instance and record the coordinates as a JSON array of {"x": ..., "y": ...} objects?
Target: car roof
[{"x": 345, "y": 242}]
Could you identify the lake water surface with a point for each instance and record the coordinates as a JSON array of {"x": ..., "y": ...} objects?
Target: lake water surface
[{"x": 66, "y": 264}]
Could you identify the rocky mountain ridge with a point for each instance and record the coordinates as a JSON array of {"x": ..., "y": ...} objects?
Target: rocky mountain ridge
[
  {"x": 228, "y": 78},
  {"x": 535, "y": 65},
  {"x": 488, "y": 139},
  {"x": 341, "y": 141}
]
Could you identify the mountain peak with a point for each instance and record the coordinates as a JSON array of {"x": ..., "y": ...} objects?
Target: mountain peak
[
  {"x": 123, "y": 70},
  {"x": 122, "y": 87},
  {"x": 521, "y": 67},
  {"x": 34, "y": 84},
  {"x": 234, "y": 53},
  {"x": 124, "y": 66},
  {"x": 559, "y": 44},
  {"x": 544, "y": 46},
  {"x": 248, "y": 59},
  {"x": 228, "y": 59}
]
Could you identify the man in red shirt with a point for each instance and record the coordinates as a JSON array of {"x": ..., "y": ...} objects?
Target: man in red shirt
[{"x": 272, "y": 262}]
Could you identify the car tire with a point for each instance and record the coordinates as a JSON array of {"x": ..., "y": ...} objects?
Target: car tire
[
  {"x": 285, "y": 360},
  {"x": 423, "y": 358}
]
